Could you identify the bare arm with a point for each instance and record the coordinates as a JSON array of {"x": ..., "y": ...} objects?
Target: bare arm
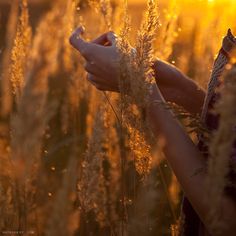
[
  {"x": 185, "y": 159},
  {"x": 177, "y": 87}
]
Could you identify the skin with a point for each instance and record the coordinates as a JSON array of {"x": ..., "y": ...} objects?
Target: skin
[{"x": 101, "y": 57}]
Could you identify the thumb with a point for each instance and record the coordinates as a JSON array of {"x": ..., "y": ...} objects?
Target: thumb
[
  {"x": 78, "y": 43},
  {"x": 112, "y": 38}
]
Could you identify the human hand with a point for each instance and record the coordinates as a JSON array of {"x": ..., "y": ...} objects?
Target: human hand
[{"x": 102, "y": 59}]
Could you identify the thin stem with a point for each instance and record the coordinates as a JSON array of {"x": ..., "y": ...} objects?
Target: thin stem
[{"x": 113, "y": 109}]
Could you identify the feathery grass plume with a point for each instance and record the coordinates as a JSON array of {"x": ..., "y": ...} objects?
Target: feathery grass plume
[
  {"x": 94, "y": 4},
  {"x": 32, "y": 114},
  {"x": 32, "y": 111},
  {"x": 136, "y": 73},
  {"x": 125, "y": 59},
  {"x": 26, "y": 149},
  {"x": 91, "y": 185},
  {"x": 139, "y": 146},
  {"x": 104, "y": 7},
  {"x": 144, "y": 55},
  {"x": 106, "y": 11},
  {"x": 20, "y": 51},
  {"x": 123, "y": 104},
  {"x": 112, "y": 172},
  {"x": 6, "y": 103},
  {"x": 68, "y": 25},
  {"x": 7, "y": 212},
  {"x": 221, "y": 146}
]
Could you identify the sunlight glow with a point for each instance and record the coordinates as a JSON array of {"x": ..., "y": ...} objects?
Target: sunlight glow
[{"x": 185, "y": 1}]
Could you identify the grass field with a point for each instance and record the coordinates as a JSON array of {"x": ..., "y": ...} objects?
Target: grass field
[{"x": 68, "y": 166}]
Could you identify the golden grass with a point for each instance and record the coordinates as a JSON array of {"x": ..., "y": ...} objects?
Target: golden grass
[{"x": 75, "y": 161}]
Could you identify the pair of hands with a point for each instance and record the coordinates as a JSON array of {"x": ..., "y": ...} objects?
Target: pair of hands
[{"x": 102, "y": 63}]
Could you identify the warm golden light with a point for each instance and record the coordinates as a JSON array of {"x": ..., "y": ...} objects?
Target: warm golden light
[
  {"x": 185, "y": 1},
  {"x": 78, "y": 159}
]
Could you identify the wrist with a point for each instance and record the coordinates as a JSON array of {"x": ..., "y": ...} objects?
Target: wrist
[{"x": 154, "y": 96}]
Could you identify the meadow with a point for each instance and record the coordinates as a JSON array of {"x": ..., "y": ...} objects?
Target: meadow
[{"x": 78, "y": 161}]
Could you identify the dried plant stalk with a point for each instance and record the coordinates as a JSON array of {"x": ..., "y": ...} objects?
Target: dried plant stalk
[
  {"x": 91, "y": 186},
  {"x": 31, "y": 117},
  {"x": 6, "y": 104},
  {"x": 20, "y": 51},
  {"x": 221, "y": 147},
  {"x": 136, "y": 77},
  {"x": 68, "y": 25}
]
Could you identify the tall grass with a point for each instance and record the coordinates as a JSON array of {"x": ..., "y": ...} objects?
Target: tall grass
[
  {"x": 75, "y": 161},
  {"x": 221, "y": 150}
]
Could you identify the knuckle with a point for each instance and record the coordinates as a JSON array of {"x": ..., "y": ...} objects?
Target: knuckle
[
  {"x": 111, "y": 32},
  {"x": 72, "y": 39},
  {"x": 86, "y": 66},
  {"x": 92, "y": 79},
  {"x": 89, "y": 77},
  {"x": 99, "y": 87}
]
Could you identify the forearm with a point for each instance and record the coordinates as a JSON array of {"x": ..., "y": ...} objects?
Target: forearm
[
  {"x": 183, "y": 91},
  {"x": 185, "y": 160}
]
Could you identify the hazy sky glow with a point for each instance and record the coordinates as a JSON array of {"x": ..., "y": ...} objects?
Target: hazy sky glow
[
  {"x": 136, "y": 1},
  {"x": 211, "y": 1}
]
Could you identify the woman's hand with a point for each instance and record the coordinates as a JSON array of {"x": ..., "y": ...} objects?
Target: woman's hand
[{"x": 102, "y": 59}]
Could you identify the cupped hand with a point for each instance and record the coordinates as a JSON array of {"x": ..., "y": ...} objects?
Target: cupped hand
[{"x": 102, "y": 59}]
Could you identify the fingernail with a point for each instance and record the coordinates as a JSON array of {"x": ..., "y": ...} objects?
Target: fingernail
[
  {"x": 76, "y": 34},
  {"x": 82, "y": 29}
]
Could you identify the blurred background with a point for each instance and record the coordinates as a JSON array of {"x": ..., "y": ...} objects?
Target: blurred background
[{"x": 58, "y": 120}]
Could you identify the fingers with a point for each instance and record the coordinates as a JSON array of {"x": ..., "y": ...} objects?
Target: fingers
[
  {"x": 90, "y": 51},
  {"x": 93, "y": 50},
  {"x": 94, "y": 81},
  {"x": 100, "y": 84},
  {"x": 78, "y": 43},
  {"x": 91, "y": 68},
  {"x": 107, "y": 39},
  {"x": 112, "y": 38},
  {"x": 101, "y": 40},
  {"x": 86, "y": 49}
]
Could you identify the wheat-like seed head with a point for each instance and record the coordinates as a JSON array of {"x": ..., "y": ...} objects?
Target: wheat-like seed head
[{"x": 20, "y": 51}]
